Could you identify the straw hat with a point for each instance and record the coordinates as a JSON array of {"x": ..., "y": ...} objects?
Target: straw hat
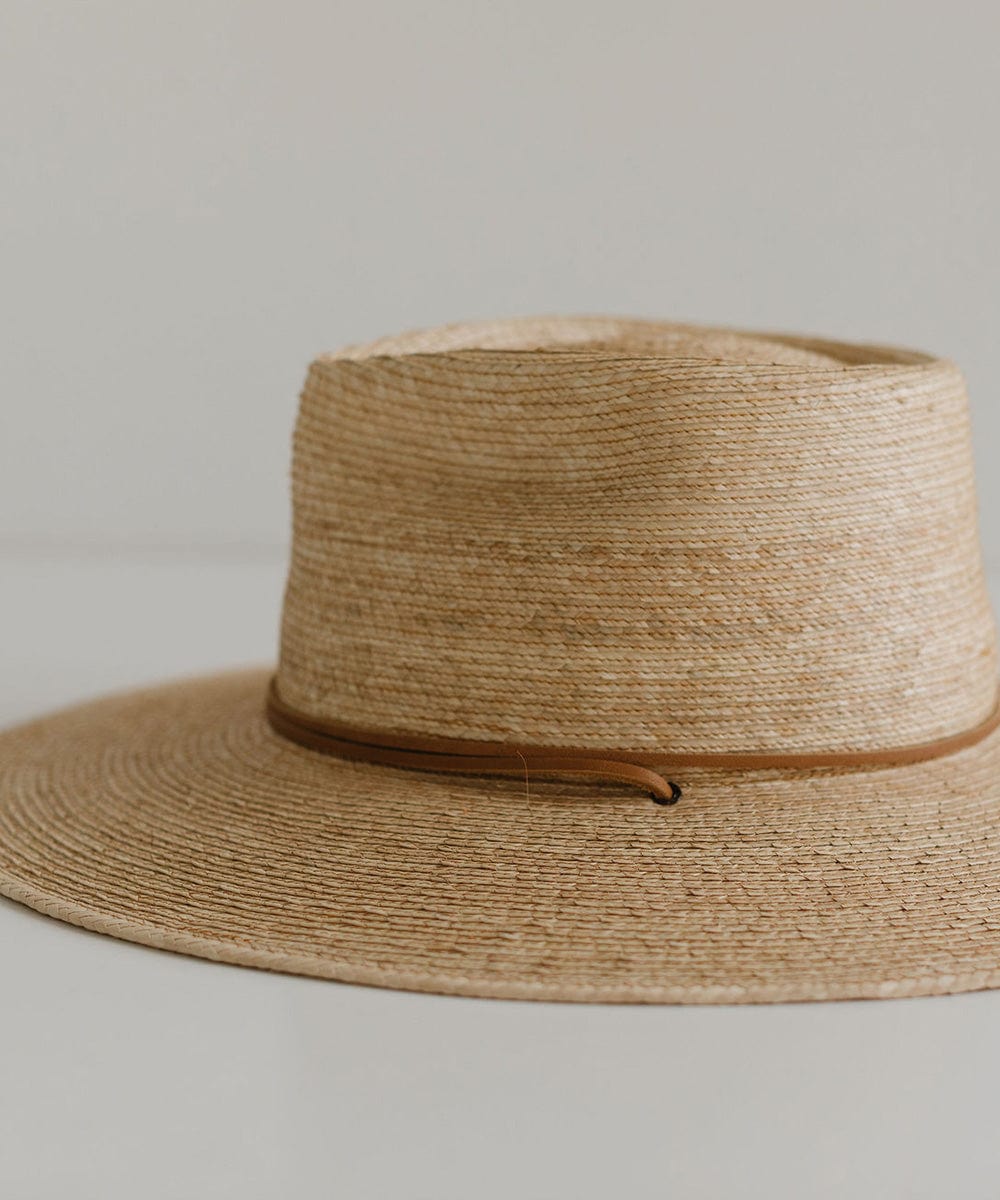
[{"x": 619, "y": 661}]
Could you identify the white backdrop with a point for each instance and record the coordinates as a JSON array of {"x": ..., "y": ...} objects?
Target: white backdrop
[{"x": 199, "y": 196}]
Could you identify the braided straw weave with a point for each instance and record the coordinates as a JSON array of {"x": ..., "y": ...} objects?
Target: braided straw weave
[{"x": 588, "y": 533}]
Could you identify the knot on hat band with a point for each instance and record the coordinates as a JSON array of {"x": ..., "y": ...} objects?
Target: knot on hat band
[{"x": 462, "y": 756}]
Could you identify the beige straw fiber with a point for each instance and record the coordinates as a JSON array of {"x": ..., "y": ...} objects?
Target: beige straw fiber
[{"x": 620, "y": 539}]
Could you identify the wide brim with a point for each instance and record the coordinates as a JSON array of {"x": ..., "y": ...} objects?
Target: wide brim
[{"x": 175, "y": 817}]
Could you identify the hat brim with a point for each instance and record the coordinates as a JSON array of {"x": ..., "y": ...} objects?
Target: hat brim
[{"x": 175, "y": 817}]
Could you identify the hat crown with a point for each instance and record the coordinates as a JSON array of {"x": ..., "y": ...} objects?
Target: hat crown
[{"x": 607, "y": 533}]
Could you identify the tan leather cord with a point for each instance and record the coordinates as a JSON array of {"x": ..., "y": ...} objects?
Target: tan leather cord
[{"x": 468, "y": 757}]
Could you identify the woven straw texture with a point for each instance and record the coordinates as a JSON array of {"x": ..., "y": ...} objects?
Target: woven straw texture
[{"x": 591, "y": 533}]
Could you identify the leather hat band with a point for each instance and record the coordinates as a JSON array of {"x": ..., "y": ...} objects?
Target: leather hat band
[{"x": 469, "y": 757}]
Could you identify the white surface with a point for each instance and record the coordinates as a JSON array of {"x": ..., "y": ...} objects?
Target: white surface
[
  {"x": 197, "y": 198},
  {"x": 126, "y": 1072}
]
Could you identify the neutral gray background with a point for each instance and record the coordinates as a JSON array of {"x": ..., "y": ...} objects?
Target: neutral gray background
[{"x": 197, "y": 197}]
